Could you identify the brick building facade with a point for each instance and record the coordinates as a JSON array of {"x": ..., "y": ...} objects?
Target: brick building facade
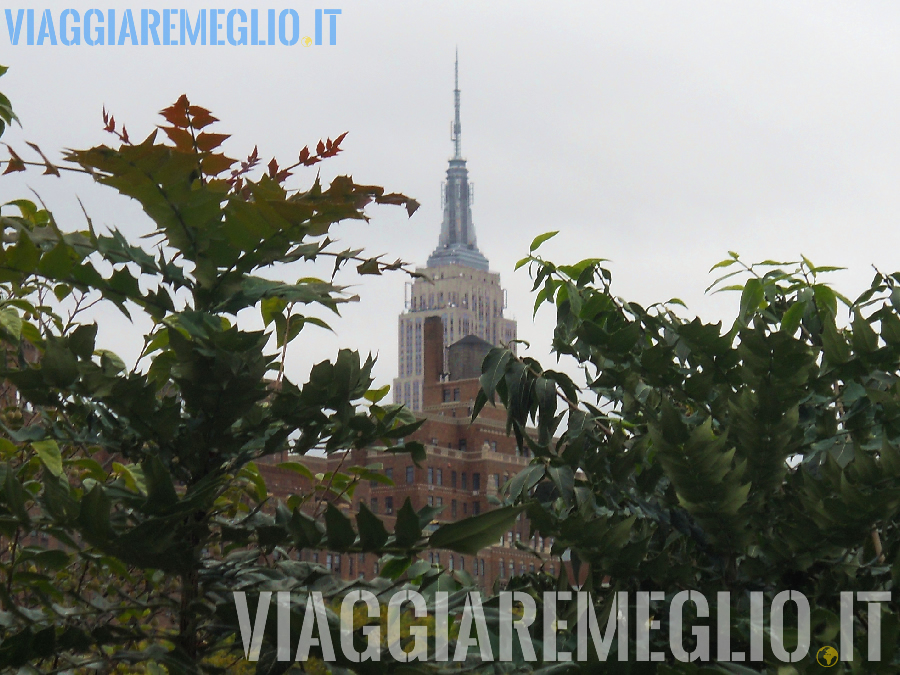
[{"x": 466, "y": 464}]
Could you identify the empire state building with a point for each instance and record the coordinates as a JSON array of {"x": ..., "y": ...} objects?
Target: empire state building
[{"x": 463, "y": 291}]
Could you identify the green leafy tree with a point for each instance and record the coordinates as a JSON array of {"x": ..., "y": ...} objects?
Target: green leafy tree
[
  {"x": 131, "y": 503},
  {"x": 760, "y": 458}
]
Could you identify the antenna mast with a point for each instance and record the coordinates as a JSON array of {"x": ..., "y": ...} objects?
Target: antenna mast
[{"x": 456, "y": 128}]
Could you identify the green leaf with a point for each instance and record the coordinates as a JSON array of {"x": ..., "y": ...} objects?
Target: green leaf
[
  {"x": 394, "y": 566},
  {"x": 161, "y": 494},
  {"x": 50, "y": 455},
  {"x": 890, "y": 329},
  {"x": 493, "y": 370},
  {"x": 297, "y": 467},
  {"x": 59, "y": 366},
  {"x": 564, "y": 479},
  {"x": 473, "y": 534},
  {"x": 375, "y": 395},
  {"x": 526, "y": 479},
  {"x": 723, "y": 263},
  {"x": 864, "y": 338},
  {"x": 752, "y": 297},
  {"x": 790, "y": 322},
  {"x": 16, "y": 495},
  {"x": 57, "y": 262},
  {"x": 837, "y": 350},
  {"x": 372, "y": 533},
  {"x": 407, "y": 529},
  {"x": 94, "y": 516},
  {"x": 339, "y": 529},
  {"x": 826, "y": 299},
  {"x": 82, "y": 340},
  {"x": 11, "y": 324},
  {"x": 540, "y": 239}
]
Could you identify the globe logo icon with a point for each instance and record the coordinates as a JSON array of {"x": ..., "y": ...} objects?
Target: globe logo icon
[{"x": 827, "y": 656}]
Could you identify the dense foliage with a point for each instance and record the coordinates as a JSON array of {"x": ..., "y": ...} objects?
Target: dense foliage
[
  {"x": 760, "y": 458},
  {"x": 764, "y": 457},
  {"x": 131, "y": 504}
]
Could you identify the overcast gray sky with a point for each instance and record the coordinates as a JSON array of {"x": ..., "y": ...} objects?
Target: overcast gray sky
[{"x": 660, "y": 135}]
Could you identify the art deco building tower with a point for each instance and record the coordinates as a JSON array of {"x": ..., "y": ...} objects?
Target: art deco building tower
[{"x": 464, "y": 293}]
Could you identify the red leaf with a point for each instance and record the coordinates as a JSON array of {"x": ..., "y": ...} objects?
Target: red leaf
[
  {"x": 50, "y": 169},
  {"x": 209, "y": 141},
  {"x": 177, "y": 113},
  {"x": 181, "y": 138},
  {"x": 216, "y": 163},
  {"x": 273, "y": 168},
  {"x": 320, "y": 148},
  {"x": 200, "y": 117},
  {"x": 15, "y": 162}
]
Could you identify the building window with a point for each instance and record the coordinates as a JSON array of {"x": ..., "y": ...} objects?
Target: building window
[
  {"x": 497, "y": 480},
  {"x": 453, "y": 508},
  {"x": 431, "y": 475},
  {"x": 462, "y": 564},
  {"x": 430, "y": 500},
  {"x": 493, "y": 446},
  {"x": 453, "y": 479},
  {"x": 440, "y": 476},
  {"x": 450, "y": 562},
  {"x": 509, "y": 539},
  {"x": 446, "y": 395},
  {"x": 440, "y": 501},
  {"x": 482, "y": 566},
  {"x": 463, "y": 477},
  {"x": 410, "y": 475},
  {"x": 462, "y": 445},
  {"x": 476, "y": 508},
  {"x": 475, "y": 567},
  {"x": 512, "y": 569},
  {"x": 502, "y": 569},
  {"x": 374, "y": 507},
  {"x": 456, "y": 394},
  {"x": 388, "y": 505},
  {"x": 465, "y": 509},
  {"x": 476, "y": 482},
  {"x": 389, "y": 473}
]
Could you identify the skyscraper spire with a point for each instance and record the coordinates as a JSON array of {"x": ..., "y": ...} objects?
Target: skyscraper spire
[
  {"x": 455, "y": 130},
  {"x": 457, "y": 245}
]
